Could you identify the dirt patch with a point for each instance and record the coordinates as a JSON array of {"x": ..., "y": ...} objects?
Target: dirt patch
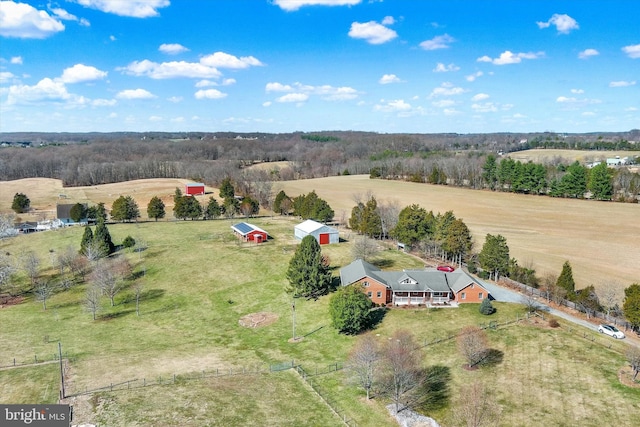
[
  {"x": 625, "y": 375},
  {"x": 8, "y": 300},
  {"x": 258, "y": 320}
]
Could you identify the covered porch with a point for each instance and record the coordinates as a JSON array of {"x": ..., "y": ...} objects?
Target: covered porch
[{"x": 428, "y": 298}]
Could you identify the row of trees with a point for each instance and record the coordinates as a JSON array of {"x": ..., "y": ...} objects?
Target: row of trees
[{"x": 306, "y": 206}]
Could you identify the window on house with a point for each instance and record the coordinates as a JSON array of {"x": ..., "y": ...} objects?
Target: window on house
[
  {"x": 480, "y": 295},
  {"x": 365, "y": 284},
  {"x": 379, "y": 294},
  {"x": 463, "y": 295},
  {"x": 369, "y": 294}
]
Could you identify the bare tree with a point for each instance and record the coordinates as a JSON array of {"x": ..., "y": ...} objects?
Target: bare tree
[
  {"x": 7, "y": 268},
  {"x": 472, "y": 343},
  {"x": 31, "y": 265},
  {"x": 476, "y": 408},
  {"x": 363, "y": 363},
  {"x": 402, "y": 372},
  {"x": 389, "y": 212},
  {"x": 6, "y": 226},
  {"x": 364, "y": 248},
  {"x": 610, "y": 296},
  {"x": 109, "y": 277},
  {"x": 633, "y": 356},
  {"x": 43, "y": 291},
  {"x": 137, "y": 289},
  {"x": 93, "y": 252},
  {"x": 92, "y": 300}
]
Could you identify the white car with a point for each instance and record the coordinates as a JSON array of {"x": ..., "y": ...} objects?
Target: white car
[{"x": 611, "y": 330}]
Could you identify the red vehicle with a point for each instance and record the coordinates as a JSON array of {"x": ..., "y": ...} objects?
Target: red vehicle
[{"x": 446, "y": 268}]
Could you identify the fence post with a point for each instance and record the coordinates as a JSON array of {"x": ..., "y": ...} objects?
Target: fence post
[
  {"x": 144, "y": 382},
  {"x": 35, "y": 358}
]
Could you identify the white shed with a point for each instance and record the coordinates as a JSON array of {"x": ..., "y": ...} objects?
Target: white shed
[{"x": 323, "y": 233}]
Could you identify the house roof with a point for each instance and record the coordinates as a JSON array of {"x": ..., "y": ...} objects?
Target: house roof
[
  {"x": 408, "y": 280},
  {"x": 194, "y": 184},
  {"x": 310, "y": 226},
  {"x": 245, "y": 228}
]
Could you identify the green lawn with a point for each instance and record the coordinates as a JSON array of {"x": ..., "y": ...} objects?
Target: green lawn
[{"x": 200, "y": 281}]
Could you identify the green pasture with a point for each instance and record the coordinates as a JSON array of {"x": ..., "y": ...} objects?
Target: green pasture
[{"x": 199, "y": 280}]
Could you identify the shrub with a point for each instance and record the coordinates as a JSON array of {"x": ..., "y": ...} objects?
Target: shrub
[
  {"x": 128, "y": 242},
  {"x": 554, "y": 323},
  {"x": 486, "y": 307}
]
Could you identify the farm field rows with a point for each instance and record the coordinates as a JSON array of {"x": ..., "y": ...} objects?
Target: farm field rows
[{"x": 200, "y": 281}]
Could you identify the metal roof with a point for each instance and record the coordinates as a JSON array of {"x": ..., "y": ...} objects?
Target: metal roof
[{"x": 245, "y": 228}]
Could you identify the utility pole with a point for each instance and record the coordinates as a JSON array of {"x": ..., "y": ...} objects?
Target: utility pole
[{"x": 62, "y": 391}]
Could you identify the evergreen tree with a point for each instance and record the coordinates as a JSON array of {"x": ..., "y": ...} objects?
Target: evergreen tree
[
  {"x": 458, "y": 241},
  {"x": 191, "y": 207},
  {"x": 565, "y": 280},
  {"x": 125, "y": 208},
  {"x": 355, "y": 221},
  {"x": 494, "y": 256},
  {"x": 78, "y": 212},
  {"x": 249, "y": 206},
  {"x": 349, "y": 309},
  {"x": 87, "y": 239},
  {"x": 308, "y": 274},
  {"x": 155, "y": 208},
  {"x": 371, "y": 221},
  {"x": 486, "y": 307},
  {"x": 574, "y": 183},
  {"x": 490, "y": 172},
  {"x": 226, "y": 189},
  {"x": 601, "y": 182},
  {"x": 631, "y": 305},
  {"x": 179, "y": 205},
  {"x": 280, "y": 204},
  {"x": 97, "y": 213},
  {"x": 213, "y": 209},
  {"x": 230, "y": 207},
  {"x": 102, "y": 239},
  {"x": 414, "y": 224},
  {"x": 21, "y": 203}
]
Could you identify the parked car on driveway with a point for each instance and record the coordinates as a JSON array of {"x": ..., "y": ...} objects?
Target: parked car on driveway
[
  {"x": 611, "y": 331},
  {"x": 446, "y": 268}
]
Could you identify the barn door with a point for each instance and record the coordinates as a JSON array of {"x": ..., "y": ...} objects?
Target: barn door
[{"x": 324, "y": 239}]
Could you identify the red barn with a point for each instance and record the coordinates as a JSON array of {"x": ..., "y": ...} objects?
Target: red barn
[
  {"x": 249, "y": 232},
  {"x": 194, "y": 189}
]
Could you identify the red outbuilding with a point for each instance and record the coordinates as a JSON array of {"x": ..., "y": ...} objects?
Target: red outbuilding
[
  {"x": 249, "y": 232},
  {"x": 194, "y": 189}
]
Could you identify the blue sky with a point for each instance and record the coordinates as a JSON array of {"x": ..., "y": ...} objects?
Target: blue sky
[{"x": 309, "y": 65}]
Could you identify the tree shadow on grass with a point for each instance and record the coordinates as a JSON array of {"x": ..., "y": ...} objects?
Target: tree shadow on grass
[
  {"x": 376, "y": 315},
  {"x": 434, "y": 392},
  {"x": 383, "y": 263},
  {"x": 115, "y": 315},
  {"x": 491, "y": 357},
  {"x": 150, "y": 295}
]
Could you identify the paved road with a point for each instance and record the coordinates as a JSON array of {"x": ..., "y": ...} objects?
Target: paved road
[{"x": 507, "y": 295}]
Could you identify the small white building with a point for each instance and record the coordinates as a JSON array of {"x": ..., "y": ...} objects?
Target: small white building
[{"x": 323, "y": 233}]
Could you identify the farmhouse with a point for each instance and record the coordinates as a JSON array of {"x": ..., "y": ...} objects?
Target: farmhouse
[
  {"x": 194, "y": 189},
  {"x": 249, "y": 232},
  {"x": 412, "y": 287},
  {"x": 323, "y": 233},
  {"x": 63, "y": 214}
]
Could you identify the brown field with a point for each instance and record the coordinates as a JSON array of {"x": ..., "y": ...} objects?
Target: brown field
[
  {"x": 601, "y": 240},
  {"x": 583, "y": 156}
]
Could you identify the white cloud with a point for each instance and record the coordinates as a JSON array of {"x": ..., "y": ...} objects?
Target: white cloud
[
  {"x": 446, "y": 89},
  {"x": 588, "y": 53},
  {"x": 293, "y": 97},
  {"x": 326, "y": 92},
  {"x": 82, "y": 73},
  {"x": 632, "y": 51},
  {"x": 389, "y": 78},
  {"x": 16, "y": 60},
  {"x": 277, "y": 87},
  {"x": 508, "y": 57},
  {"x": 175, "y": 99},
  {"x": 135, "y": 94},
  {"x": 388, "y": 20},
  {"x": 487, "y": 107},
  {"x": 450, "y": 112},
  {"x": 474, "y": 76},
  {"x": 131, "y": 8},
  {"x": 45, "y": 90},
  {"x": 169, "y": 70},
  {"x": 228, "y": 82},
  {"x": 438, "y": 42},
  {"x": 563, "y": 23},
  {"x": 577, "y": 91},
  {"x": 444, "y": 103},
  {"x": 172, "y": 48},
  {"x": 372, "y": 32},
  {"x": 225, "y": 60},
  {"x": 576, "y": 102},
  {"x": 266, "y": 104},
  {"x": 155, "y": 118},
  {"x": 209, "y": 94},
  {"x": 291, "y": 5},
  {"x": 66, "y": 16},
  {"x": 441, "y": 68},
  {"x": 480, "y": 97},
  {"x": 104, "y": 102},
  {"x": 397, "y": 105},
  {"x": 5, "y": 76},
  {"x": 622, "y": 83},
  {"x": 206, "y": 83},
  {"x": 21, "y": 20}
]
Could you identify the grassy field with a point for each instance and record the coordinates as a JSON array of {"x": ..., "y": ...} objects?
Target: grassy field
[
  {"x": 599, "y": 239},
  {"x": 200, "y": 281},
  {"x": 583, "y": 156}
]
